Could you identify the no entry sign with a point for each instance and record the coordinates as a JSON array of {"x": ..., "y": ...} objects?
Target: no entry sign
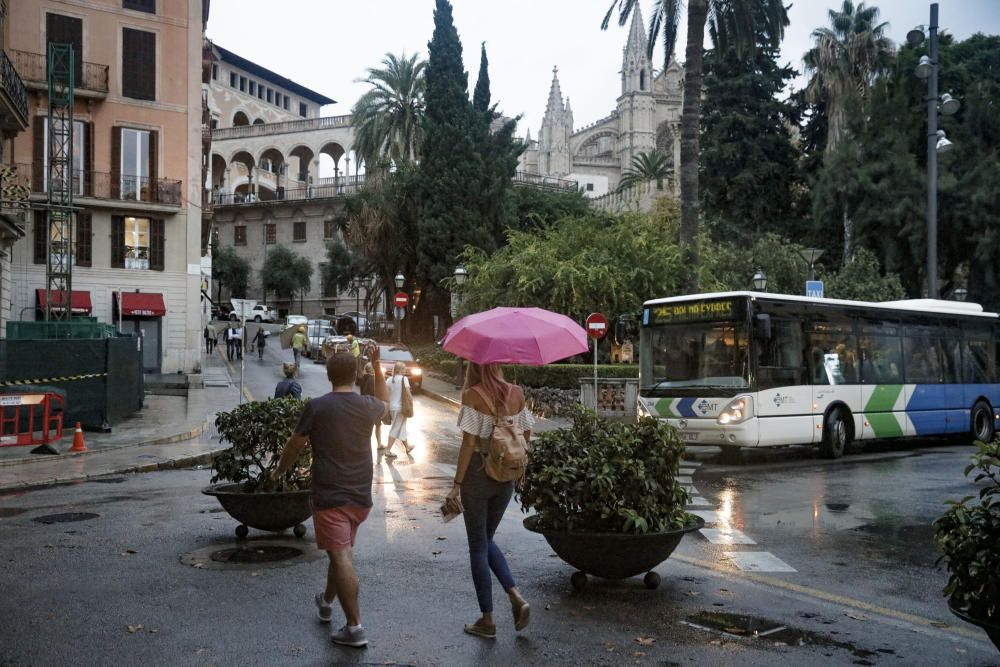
[
  {"x": 597, "y": 326},
  {"x": 401, "y": 299}
]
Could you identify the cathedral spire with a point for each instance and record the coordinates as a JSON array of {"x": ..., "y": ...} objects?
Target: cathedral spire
[
  {"x": 554, "y": 107},
  {"x": 569, "y": 115},
  {"x": 637, "y": 43}
]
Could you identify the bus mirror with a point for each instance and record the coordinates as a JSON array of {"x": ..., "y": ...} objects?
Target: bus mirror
[{"x": 762, "y": 326}]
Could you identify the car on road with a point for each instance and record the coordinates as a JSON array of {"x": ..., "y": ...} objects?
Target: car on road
[
  {"x": 259, "y": 313},
  {"x": 390, "y": 354},
  {"x": 295, "y": 320},
  {"x": 317, "y": 331},
  {"x": 360, "y": 320},
  {"x": 335, "y": 343}
]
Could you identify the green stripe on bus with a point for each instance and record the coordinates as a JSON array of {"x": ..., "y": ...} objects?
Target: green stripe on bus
[
  {"x": 884, "y": 425},
  {"x": 883, "y": 398},
  {"x": 663, "y": 407}
]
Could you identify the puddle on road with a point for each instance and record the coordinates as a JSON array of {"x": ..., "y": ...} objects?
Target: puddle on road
[
  {"x": 256, "y": 554},
  {"x": 7, "y": 512},
  {"x": 67, "y": 517},
  {"x": 755, "y": 627}
]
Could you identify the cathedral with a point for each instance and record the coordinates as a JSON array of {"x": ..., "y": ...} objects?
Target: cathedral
[{"x": 646, "y": 118}]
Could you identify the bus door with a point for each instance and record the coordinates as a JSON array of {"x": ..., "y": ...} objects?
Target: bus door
[
  {"x": 833, "y": 368},
  {"x": 883, "y": 395}
]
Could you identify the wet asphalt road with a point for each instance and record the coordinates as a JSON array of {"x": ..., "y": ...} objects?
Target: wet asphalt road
[{"x": 855, "y": 532}]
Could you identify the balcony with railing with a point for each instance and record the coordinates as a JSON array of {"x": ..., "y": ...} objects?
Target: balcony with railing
[
  {"x": 101, "y": 185},
  {"x": 14, "y": 117},
  {"x": 284, "y": 127},
  {"x": 344, "y": 187},
  {"x": 524, "y": 178},
  {"x": 91, "y": 79}
]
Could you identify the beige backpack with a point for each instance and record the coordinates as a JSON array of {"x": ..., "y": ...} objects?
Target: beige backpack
[{"x": 505, "y": 452}]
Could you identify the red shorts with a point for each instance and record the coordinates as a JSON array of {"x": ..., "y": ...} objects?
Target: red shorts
[{"x": 337, "y": 527}]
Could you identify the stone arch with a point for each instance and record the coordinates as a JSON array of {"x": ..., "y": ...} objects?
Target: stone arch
[
  {"x": 271, "y": 160},
  {"x": 300, "y": 158},
  {"x": 240, "y": 119},
  {"x": 599, "y": 144},
  {"x": 665, "y": 138},
  {"x": 333, "y": 151},
  {"x": 244, "y": 158},
  {"x": 219, "y": 167},
  {"x": 258, "y": 121}
]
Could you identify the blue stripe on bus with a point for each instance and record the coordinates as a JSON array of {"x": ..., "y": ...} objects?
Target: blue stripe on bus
[
  {"x": 931, "y": 422},
  {"x": 685, "y": 407}
]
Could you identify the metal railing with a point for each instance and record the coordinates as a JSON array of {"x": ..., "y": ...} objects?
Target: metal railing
[
  {"x": 545, "y": 182},
  {"x": 344, "y": 189},
  {"x": 32, "y": 67},
  {"x": 284, "y": 127},
  {"x": 102, "y": 185},
  {"x": 14, "y": 86}
]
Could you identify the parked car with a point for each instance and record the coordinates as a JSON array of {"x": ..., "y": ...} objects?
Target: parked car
[
  {"x": 259, "y": 313},
  {"x": 295, "y": 320},
  {"x": 390, "y": 354},
  {"x": 335, "y": 343},
  {"x": 317, "y": 331},
  {"x": 360, "y": 321}
]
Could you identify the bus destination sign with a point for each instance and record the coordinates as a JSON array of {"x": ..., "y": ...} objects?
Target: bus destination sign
[{"x": 693, "y": 311}]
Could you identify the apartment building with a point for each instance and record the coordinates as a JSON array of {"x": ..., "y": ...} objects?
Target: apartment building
[
  {"x": 137, "y": 164},
  {"x": 13, "y": 121}
]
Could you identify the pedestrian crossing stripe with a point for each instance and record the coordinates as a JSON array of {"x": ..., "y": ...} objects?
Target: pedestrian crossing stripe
[{"x": 60, "y": 378}]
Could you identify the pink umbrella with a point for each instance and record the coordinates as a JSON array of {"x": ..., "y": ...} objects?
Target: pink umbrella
[{"x": 530, "y": 336}]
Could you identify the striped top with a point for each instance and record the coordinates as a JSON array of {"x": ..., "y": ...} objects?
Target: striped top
[{"x": 479, "y": 424}]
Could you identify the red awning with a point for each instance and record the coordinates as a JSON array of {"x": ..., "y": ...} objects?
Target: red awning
[
  {"x": 142, "y": 304},
  {"x": 80, "y": 302}
]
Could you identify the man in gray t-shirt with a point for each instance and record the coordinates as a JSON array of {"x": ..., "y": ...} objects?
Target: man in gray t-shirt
[{"x": 338, "y": 427}]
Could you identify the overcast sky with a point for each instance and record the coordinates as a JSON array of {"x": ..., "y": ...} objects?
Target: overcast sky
[{"x": 327, "y": 44}]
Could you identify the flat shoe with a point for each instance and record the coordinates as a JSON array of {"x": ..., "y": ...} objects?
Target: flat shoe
[
  {"x": 522, "y": 614},
  {"x": 481, "y": 630}
]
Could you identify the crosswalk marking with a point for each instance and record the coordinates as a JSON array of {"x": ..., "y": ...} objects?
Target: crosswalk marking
[
  {"x": 710, "y": 516},
  {"x": 726, "y": 536},
  {"x": 758, "y": 561}
]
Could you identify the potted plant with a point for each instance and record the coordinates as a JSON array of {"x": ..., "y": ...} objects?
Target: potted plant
[
  {"x": 606, "y": 496},
  {"x": 257, "y": 431},
  {"x": 968, "y": 535}
]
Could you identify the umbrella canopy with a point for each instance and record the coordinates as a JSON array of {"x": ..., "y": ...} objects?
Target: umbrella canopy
[{"x": 530, "y": 336}]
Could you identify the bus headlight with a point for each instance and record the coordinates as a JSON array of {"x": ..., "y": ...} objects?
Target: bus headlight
[{"x": 739, "y": 410}]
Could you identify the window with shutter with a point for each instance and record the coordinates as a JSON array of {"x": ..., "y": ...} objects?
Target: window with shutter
[
  {"x": 140, "y": 5},
  {"x": 38, "y": 153},
  {"x": 84, "y": 239},
  {"x": 117, "y": 242},
  {"x": 239, "y": 235},
  {"x": 299, "y": 231},
  {"x": 157, "y": 244},
  {"x": 138, "y": 64},
  {"x": 40, "y": 233},
  {"x": 61, "y": 29}
]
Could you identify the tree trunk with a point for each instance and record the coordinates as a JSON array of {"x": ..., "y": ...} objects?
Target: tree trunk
[
  {"x": 848, "y": 237},
  {"x": 690, "y": 116}
]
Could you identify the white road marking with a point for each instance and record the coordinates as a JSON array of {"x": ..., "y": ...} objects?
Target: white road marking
[
  {"x": 710, "y": 516},
  {"x": 698, "y": 501},
  {"x": 693, "y": 464},
  {"x": 726, "y": 536},
  {"x": 684, "y": 479},
  {"x": 758, "y": 561}
]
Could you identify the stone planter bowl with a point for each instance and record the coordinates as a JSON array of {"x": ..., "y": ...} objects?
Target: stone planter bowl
[
  {"x": 992, "y": 629},
  {"x": 270, "y": 511}
]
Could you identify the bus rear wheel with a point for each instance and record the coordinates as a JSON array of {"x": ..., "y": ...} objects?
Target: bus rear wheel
[
  {"x": 836, "y": 435},
  {"x": 982, "y": 421}
]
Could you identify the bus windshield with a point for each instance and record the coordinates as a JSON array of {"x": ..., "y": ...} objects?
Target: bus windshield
[{"x": 694, "y": 356}]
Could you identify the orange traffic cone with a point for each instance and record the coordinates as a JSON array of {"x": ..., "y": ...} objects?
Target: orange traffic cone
[{"x": 78, "y": 443}]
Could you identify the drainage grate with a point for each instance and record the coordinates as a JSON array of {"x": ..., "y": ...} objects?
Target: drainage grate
[
  {"x": 67, "y": 517},
  {"x": 256, "y": 554}
]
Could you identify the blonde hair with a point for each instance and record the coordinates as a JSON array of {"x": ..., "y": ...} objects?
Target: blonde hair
[
  {"x": 399, "y": 368},
  {"x": 288, "y": 368},
  {"x": 490, "y": 377}
]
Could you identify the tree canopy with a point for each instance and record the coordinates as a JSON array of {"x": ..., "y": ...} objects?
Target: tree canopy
[{"x": 286, "y": 273}]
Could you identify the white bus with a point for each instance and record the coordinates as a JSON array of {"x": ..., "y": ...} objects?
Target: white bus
[{"x": 747, "y": 369}]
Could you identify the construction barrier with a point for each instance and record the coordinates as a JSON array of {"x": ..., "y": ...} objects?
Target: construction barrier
[{"x": 24, "y": 414}]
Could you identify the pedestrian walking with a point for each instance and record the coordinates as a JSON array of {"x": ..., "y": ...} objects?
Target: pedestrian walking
[
  {"x": 338, "y": 428},
  {"x": 300, "y": 343},
  {"x": 288, "y": 386},
  {"x": 237, "y": 336},
  {"x": 368, "y": 389},
  {"x": 230, "y": 338},
  {"x": 208, "y": 338},
  {"x": 398, "y": 384},
  {"x": 483, "y": 499},
  {"x": 260, "y": 340}
]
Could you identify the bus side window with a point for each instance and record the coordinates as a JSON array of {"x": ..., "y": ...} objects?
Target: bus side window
[
  {"x": 881, "y": 360},
  {"x": 979, "y": 362},
  {"x": 781, "y": 362},
  {"x": 831, "y": 358}
]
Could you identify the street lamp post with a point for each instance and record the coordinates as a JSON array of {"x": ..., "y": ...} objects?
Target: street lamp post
[
  {"x": 400, "y": 279},
  {"x": 811, "y": 255},
  {"x": 759, "y": 281},
  {"x": 927, "y": 68},
  {"x": 460, "y": 275}
]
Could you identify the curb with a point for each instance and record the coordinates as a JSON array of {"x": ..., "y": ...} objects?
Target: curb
[
  {"x": 170, "y": 464},
  {"x": 166, "y": 440},
  {"x": 440, "y": 399}
]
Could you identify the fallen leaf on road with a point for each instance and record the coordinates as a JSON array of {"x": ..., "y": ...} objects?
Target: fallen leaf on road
[
  {"x": 638, "y": 654},
  {"x": 201, "y": 651},
  {"x": 961, "y": 650},
  {"x": 436, "y": 553},
  {"x": 440, "y": 537},
  {"x": 153, "y": 630},
  {"x": 134, "y": 628},
  {"x": 645, "y": 641},
  {"x": 547, "y": 607},
  {"x": 939, "y": 624},
  {"x": 692, "y": 593},
  {"x": 856, "y": 617},
  {"x": 588, "y": 607},
  {"x": 733, "y": 631},
  {"x": 199, "y": 565},
  {"x": 716, "y": 642},
  {"x": 256, "y": 574},
  {"x": 780, "y": 644}
]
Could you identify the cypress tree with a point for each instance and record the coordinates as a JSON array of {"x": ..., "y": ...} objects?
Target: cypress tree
[{"x": 481, "y": 98}]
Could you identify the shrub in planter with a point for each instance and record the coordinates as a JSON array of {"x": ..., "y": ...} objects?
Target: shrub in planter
[
  {"x": 608, "y": 477},
  {"x": 257, "y": 432},
  {"x": 968, "y": 534}
]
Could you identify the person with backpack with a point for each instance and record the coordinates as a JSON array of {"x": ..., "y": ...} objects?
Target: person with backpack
[
  {"x": 399, "y": 396},
  {"x": 496, "y": 427}
]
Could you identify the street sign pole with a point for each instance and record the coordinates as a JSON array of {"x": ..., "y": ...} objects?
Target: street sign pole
[
  {"x": 243, "y": 332},
  {"x": 597, "y": 328},
  {"x": 595, "y": 374}
]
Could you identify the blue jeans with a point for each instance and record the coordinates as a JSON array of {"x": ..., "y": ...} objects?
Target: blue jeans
[{"x": 484, "y": 501}]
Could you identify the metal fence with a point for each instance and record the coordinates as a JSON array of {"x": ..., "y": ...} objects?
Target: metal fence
[
  {"x": 102, "y": 185},
  {"x": 14, "y": 86},
  {"x": 33, "y": 67}
]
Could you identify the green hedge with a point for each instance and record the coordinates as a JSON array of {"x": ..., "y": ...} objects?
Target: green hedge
[{"x": 554, "y": 376}]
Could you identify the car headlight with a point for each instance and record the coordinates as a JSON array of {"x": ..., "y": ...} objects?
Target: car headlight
[
  {"x": 415, "y": 371},
  {"x": 641, "y": 409},
  {"x": 739, "y": 409}
]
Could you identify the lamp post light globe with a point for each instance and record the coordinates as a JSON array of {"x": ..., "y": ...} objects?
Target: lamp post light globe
[
  {"x": 400, "y": 279},
  {"x": 960, "y": 293},
  {"x": 461, "y": 275},
  {"x": 943, "y": 145},
  {"x": 760, "y": 281},
  {"x": 915, "y": 37},
  {"x": 924, "y": 67},
  {"x": 949, "y": 105}
]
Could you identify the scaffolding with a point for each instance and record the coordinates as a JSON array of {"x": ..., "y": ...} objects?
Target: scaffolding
[{"x": 59, "y": 178}]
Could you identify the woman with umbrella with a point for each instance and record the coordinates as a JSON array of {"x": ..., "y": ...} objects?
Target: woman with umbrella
[{"x": 502, "y": 335}]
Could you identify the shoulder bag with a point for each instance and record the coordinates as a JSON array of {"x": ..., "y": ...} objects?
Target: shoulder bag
[{"x": 407, "y": 399}]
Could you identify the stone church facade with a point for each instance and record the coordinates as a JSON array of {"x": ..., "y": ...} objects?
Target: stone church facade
[{"x": 646, "y": 118}]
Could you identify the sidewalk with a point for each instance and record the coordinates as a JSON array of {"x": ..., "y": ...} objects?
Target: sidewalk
[{"x": 165, "y": 433}]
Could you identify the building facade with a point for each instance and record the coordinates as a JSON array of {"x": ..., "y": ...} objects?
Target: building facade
[
  {"x": 137, "y": 166},
  {"x": 646, "y": 118}
]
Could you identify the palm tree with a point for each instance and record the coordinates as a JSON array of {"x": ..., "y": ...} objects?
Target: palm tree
[
  {"x": 843, "y": 65},
  {"x": 728, "y": 20},
  {"x": 845, "y": 61},
  {"x": 646, "y": 167},
  {"x": 388, "y": 118}
]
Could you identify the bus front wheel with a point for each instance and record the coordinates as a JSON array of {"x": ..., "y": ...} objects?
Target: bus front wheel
[
  {"x": 982, "y": 421},
  {"x": 836, "y": 435}
]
